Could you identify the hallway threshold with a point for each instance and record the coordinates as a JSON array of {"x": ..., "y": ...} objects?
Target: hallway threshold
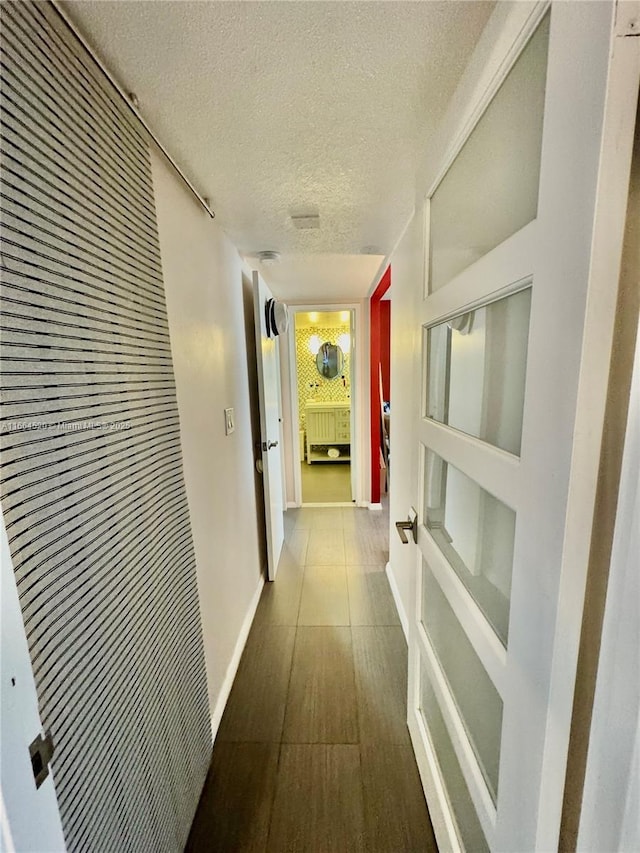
[
  {"x": 327, "y": 505},
  {"x": 313, "y": 751}
]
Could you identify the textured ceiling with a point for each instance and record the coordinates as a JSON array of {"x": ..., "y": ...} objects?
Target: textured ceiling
[{"x": 280, "y": 108}]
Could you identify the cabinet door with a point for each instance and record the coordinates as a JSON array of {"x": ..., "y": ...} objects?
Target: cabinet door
[{"x": 321, "y": 426}]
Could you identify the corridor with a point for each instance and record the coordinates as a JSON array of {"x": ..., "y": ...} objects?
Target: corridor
[{"x": 313, "y": 752}]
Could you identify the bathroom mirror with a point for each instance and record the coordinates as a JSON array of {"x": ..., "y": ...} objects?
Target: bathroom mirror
[{"x": 330, "y": 360}]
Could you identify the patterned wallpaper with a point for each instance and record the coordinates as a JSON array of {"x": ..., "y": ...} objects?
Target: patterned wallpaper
[{"x": 328, "y": 389}]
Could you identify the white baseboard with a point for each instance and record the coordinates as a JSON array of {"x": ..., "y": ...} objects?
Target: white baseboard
[
  {"x": 375, "y": 507},
  {"x": 230, "y": 674},
  {"x": 396, "y": 597},
  {"x": 292, "y": 505}
]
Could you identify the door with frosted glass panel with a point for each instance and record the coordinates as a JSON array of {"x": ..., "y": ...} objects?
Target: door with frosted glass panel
[{"x": 501, "y": 326}]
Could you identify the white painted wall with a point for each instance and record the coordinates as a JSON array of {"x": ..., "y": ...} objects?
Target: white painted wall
[
  {"x": 204, "y": 291},
  {"x": 406, "y": 274}
]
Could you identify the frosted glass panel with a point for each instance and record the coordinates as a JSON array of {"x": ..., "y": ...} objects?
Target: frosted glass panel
[
  {"x": 469, "y": 828},
  {"x": 476, "y": 367},
  {"x": 477, "y": 699},
  {"x": 491, "y": 190},
  {"x": 475, "y": 531}
]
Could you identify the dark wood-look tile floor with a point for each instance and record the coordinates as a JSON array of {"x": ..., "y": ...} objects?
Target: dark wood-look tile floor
[{"x": 313, "y": 753}]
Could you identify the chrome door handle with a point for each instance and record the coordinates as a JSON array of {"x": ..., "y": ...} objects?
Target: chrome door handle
[
  {"x": 269, "y": 445},
  {"x": 410, "y": 524}
]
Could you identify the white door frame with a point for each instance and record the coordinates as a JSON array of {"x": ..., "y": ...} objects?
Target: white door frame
[
  {"x": 580, "y": 458},
  {"x": 357, "y": 402}
]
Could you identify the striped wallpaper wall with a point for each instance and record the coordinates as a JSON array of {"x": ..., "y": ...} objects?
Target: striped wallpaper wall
[{"x": 92, "y": 486}]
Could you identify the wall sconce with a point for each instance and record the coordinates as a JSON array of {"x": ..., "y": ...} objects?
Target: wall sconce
[
  {"x": 344, "y": 342},
  {"x": 314, "y": 344}
]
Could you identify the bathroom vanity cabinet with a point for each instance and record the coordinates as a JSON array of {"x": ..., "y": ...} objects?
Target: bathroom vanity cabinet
[{"x": 328, "y": 425}]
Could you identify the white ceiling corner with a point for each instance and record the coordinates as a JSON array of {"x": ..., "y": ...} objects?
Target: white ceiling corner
[
  {"x": 280, "y": 108},
  {"x": 321, "y": 277}
]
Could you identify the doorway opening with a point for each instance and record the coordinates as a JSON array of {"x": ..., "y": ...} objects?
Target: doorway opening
[{"x": 323, "y": 352}]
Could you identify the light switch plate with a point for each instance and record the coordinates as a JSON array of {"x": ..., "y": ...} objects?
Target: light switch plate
[{"x": 229, "y": 425}]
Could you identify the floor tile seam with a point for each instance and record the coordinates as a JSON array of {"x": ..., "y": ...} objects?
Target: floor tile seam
[
  {"x": 247, "y": 655},
  {"x": 360, "y": 745},
  {"x": 369, "y": 600},
  {"x": 302, "y": 579},
  {"x": 355, "y": 692},
  {"x": 320, "y": 743},
  {"x": 346, "y": 581},
  {"x": 349, "y": 624},
  {"x": 338, "y": 562},
  {"x": 276, "y": 782},
  {"x": 254, "y": 741},
  {"x": 343, "y": 562},
  {"x": 288, "y": 690},
  {"x": 390, "y": 679},
  {"x": 304, "y": 556},
  {"x": 325, "y": 566},
  {"x": 357, "y": 726}
]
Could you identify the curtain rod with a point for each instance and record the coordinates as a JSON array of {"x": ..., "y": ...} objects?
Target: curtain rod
[{"x": 129, "y": 100}]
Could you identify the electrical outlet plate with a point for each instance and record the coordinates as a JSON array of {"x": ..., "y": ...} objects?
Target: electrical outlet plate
[{"x": 229, "y": 425}]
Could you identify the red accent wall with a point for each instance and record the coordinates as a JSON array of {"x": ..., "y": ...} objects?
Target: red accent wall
[
  {"x": 385, "y": 346},
  {"x": 375, "y": 359}
]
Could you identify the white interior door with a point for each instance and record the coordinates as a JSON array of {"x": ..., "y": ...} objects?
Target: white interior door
[
  {"x": 354, "y": 412},
  {"x": 509, "y": 243},
  {"x": 270, "y": 407},
  {"x": 29, "y": 816}
]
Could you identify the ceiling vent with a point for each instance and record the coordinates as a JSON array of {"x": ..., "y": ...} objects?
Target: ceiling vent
[
  {"x": 268, "y": 257},
  {"x": 306, "y": 222}
]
